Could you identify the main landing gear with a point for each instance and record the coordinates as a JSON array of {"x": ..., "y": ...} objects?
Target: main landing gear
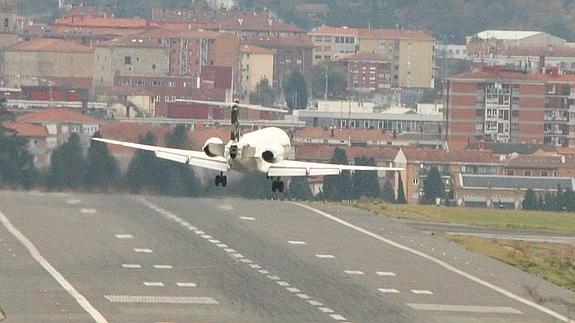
[
  {"x": 277, "y": 185},
  {"x": 221, "y": 180}
]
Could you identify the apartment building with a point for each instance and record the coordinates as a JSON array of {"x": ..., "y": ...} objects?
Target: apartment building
[
  {"x": 256, "y": 63},
  {"x": 410, "y": 51},
  {"x": 368, "y": 73},
  {"x": 497, "y": 105},
  {"x": 119, "y": 27},
  {"x": 36, "y": 61}
]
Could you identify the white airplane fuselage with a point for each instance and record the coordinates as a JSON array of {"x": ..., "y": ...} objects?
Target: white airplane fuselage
[{"x": 254, "y": 146}]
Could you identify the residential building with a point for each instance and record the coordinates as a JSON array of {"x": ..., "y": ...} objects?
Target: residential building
[
  {"x": 120, "y": 27},
  {"x": 496, "y": 105},
  {"x": 256, "y": 63},
  {"x": 410, "y": 51},
  {"x": 257, "y": 25},
  {"x": 37, "y": 141},
  {"x": 131, "y": 57},
  {"x": 367, "y": 73},
  {"x": 36, "y": 61}
]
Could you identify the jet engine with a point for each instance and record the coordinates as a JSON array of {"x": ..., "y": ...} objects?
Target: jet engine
[
  {"x": 214, "y": 147},
  {"x": 273, "y": 154}
]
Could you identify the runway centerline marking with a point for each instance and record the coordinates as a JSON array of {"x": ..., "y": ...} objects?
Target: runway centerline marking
[
  {"x": 297, "y": 242},
  {"x": 186, "y": 284},
  {"x": 124, "y": 236},
  {"x": 88, "y": 211},
  {"x": 440, "y": 263},
  {"x": 384, "y": 273},
  {"x": 97, "y": 316},
  {"x": 354, "y": 272},
  {"x": 247, "y": 218},
  {"x": 388, "y": 290},
  {"x": 131, "y": 266},
  {"x": 143, "y": 250},
  {"x": 325, "y": 256},
  {"x": 163, "y": 266},
  {"x": 154, "y": 284},
  {"x": 422, "y": 292}
]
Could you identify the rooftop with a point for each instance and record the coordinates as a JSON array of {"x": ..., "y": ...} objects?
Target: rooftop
[
  {"x": 439, "y": 156},
  {"x": 56, "y": 115},
  {"x": 535, "y": 161},
  {"x": 498, "y": 73},
  {"x": 27, "y": 129},
  {"x": 102, "y": 22},
  {"x": 507, "y": 34},
  {"x": 323, "y": 153},
  {"x": 256, "y": 50},
  {"x": 50, "y": 45}
]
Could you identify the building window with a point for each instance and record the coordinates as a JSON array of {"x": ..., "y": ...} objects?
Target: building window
[
  {"x": 139, "y": 83},
  {"x": 416, "y": 181},
  {"x": 510, "y": 172},
  {"x": 128, "y": 60},
  {"x": 544, "y": 173},
  {"x": 156, "y": 83},
  {"x": 154, "y": 66},
  {"x": 527, "y": 172},
  {"x": 125, "y": 82},
  {"x": 171, "y": 83}
]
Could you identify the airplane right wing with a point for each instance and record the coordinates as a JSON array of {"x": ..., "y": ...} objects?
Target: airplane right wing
[
  {"x": 298, "y": 168},
  {"x": 190, "y": 157}
]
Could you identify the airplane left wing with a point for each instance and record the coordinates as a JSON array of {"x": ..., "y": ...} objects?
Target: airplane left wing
[
  {"x": 298, "y": 168},
  {"x": 191, "y": 157}
]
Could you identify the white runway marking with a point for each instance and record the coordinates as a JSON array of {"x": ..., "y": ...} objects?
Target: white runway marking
[
  {"x": 421, "y": 292},
  {"x": 293, "y": 290},
  {"x": 238, "y": 255},
  {"x": 124, "y": 236},
  {"x": 384, "y": 273},
  {"x": 326, "y": 309},
  {"x": 464, "y": 308},
  {"x": 131, "y": 266},
  {"x": 161, "y": 299},
  {"x": 186, "y": 284},
  {"x": 142, "y": 250},
  {"x": 222, "y": 245},
  {"x": 273, "y": 277},
  {"x": 229, "y": 250},
  {"x": 247, "y": 218},
  {"x": 225, "y": 207},
  {"x": 388, "y": 290},
  {"x": 314, "y": 302},
  {"x": 214, "y": 241},
  {"x": 246, "y": 261},
  {"x": 163, "y": 266},
  {"x": 255, "y": 266},
  {"x": 73, "y": 202},
  {"x": 283, "y": 284},
  {"x": 297, "y": 242},
  {"x": 325, "y": 256},
  {"x": 264, "y": 271},
  {"x": 88, "y": 211},
  {"x": 440, "y": 263},
  {"x": 97, "y": 316},
  {"x": 337, "y": 317},
  {"x": 354, "y": 272},
  {"x": 206, "y": 236},
  {"x": 154, "y": 284},
  {"x": 200, "y": 232}
]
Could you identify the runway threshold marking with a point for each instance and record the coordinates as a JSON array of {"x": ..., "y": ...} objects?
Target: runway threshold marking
[
  {"x": 325, "y": 256},
  {"x": 154, "y": 284},
  {"x": 440, "y": 263},
  {"x": 354, "y": 272},
  {"x": 296, "y": 242},
  {"x": 84, "y": 303},
  {"x": 464, "y": 308},
  {"x": 186, "y": 284},
  {"x": 163, "y": 266},
  {"x": 134, "y": 266}
]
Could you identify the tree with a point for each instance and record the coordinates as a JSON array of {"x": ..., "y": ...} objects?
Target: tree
[
  {"x": 67, "y": 165},
  {"x": 102, "y": 170},
  {"x": 141, "y": 172},
  {"x": 295, "y": 91},
  {"x": 338, "y": 187},
  {"x": 299, "y": 188},
  {"x": 400, "y": 192},
  {"x": 388, "y": 193},
  {"x": 433, "y": 187},
  {"x": 529, "y": 200},
  {"x": 336, "y": 80},
  {"x": 254, "y": 185},
  {"x": 366, "y": 183},
  {"x": 177, "y": 179},
  {"x": 263, "y": 94}
]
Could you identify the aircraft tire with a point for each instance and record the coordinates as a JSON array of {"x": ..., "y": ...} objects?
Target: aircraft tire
[
  {"x": 217, "y": 180},
  {"x": 224, "y": 181}
]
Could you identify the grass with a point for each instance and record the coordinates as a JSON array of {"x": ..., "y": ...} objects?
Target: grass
[
  {"x": 553, "y": 262},
  {"x": 488, "y": 217}
]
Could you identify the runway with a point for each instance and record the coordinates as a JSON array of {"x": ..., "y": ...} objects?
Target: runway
[{"x": 120, "y": 258}]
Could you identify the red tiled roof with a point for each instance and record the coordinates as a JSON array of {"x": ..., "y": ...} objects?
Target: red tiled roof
[
  {"x": 133, "y": 23},
  {"x": 394, "y": 34},
  {"x": 27, "y": 129},
  {"x": 184, "y": 33},
  {"x": 565, "y": 150},
  {"x": 534, "y": 161},
  {"x": 323, "y": 153},
  {"x": 416, "y": 155},
  {"x": 251, "y": 49},
  {"x": 58, "y": 116},
  {"x": 50, "y": 45}
]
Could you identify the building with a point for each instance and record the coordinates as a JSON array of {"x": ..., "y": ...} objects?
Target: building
[
  {"x": 517, "y": 38},
  {"x": 256, "y": 64},
  {"x": 257, "y": 25},
  {"x": 410, "y": 51},
  {"x": 192, "y": 50},
  {"x": 367, "y": 73},
  {"x": 130, "y": 56},
  {"x": 497, "y": 105},
  {"x": 119, "y": 27},
  {"x": 37, "y": 141},
  {"x": 37, "y": 61}
]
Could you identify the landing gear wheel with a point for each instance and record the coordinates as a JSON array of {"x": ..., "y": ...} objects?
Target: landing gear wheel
[
  {"x": 274, "y": 186},
  {"x": 281, "y": 187},
  {"x": 218, "y": 180},
  {"x": 224, "y": 181}
]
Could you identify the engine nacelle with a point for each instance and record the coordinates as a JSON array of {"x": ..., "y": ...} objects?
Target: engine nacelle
[
  {"x": 273, "y": 154},
  {"x": 214, "y": 147}
]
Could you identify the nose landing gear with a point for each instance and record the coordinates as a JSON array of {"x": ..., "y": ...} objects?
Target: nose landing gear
[
  {"x": 221, "y": 180},
  {"x": 277, "y": 185}
]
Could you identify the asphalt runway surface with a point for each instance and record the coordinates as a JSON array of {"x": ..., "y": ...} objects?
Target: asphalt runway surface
[{"x": 67, "y": 257}]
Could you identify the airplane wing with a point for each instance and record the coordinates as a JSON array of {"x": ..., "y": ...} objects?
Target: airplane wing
[
  {"x": 191, "y": 157},
  {"x": 241, "y": 105},
  {"x": 298, "y": 168}
]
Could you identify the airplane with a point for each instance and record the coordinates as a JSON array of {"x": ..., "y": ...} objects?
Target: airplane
[{"x": 264, "y": 150}]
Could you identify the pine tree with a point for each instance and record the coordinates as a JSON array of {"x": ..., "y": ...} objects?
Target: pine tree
[
  {"x": 338, "y": 187},
  {"x": 433, "y": 187},
  {"x": 295, "y": 91},
  {"x": 263, "y": 94},
  {"x": 299, "y": 188},
  {"x": 67, "y": 165},
  {"x": 529, "y": 200},
  {"x": 366, "y": 183},
  {"x": 102, "y": 170},
  {"x": 142, "y": 171},
  {"x": 400, "y": 192},
  {"x": 254, "y": 185},
  {"x": 388, "y": 193}
]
